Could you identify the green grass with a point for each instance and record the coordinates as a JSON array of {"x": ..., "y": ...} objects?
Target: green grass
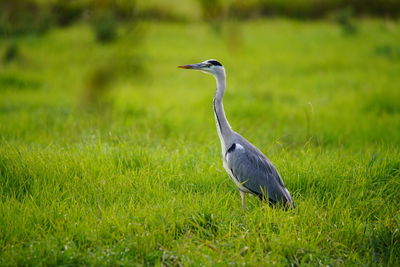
[{"x": 109, "y": 154}]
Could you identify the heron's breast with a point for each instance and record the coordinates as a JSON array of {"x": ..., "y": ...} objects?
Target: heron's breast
[{"x": 232, "y": 176}]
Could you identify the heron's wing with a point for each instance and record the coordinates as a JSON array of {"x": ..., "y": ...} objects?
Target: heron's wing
[{"x": 255, "y": 172}]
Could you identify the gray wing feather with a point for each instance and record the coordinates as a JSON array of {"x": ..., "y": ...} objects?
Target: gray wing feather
[{"x": 256, "y": 173}]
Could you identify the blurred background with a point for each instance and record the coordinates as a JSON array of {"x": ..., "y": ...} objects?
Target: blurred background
[{"x": 115, "y": 59}]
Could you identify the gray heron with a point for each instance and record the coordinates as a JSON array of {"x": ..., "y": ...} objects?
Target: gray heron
[{"x": 250, "y": 170}]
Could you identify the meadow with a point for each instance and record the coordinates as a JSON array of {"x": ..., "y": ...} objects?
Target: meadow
[{"x": 109, "y": 154}]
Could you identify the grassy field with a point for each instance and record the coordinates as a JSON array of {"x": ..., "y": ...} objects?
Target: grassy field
[{"x": 109, "y": 154}]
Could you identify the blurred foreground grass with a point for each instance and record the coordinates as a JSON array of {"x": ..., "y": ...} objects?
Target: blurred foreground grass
[{"x": 109, "y": 154}]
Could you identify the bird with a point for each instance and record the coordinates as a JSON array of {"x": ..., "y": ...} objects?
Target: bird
[{"x": 251, "y": 171}]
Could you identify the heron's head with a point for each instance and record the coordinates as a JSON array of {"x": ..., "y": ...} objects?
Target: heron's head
[{"x": 211, "y": 66}]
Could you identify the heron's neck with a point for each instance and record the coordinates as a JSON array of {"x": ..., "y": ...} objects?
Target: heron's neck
[{"x": 223, "y": 127}]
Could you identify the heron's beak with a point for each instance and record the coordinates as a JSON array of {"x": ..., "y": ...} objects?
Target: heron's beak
[
  {"x": 193, "y": 66},
  {"x": 185, "y": 67}
]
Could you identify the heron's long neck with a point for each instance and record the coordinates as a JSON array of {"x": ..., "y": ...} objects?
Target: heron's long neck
[{"x": 223, "y": 127}]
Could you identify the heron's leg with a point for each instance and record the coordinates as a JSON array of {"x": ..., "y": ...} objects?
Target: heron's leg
[{"x": 242, "y": 196}]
